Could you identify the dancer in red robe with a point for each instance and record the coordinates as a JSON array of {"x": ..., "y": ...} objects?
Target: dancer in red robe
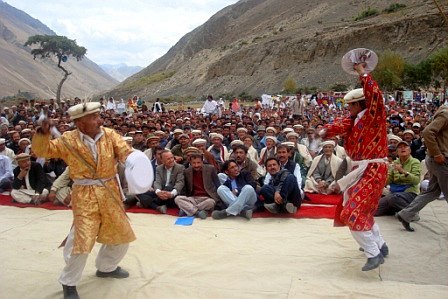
[{"x": 366, "y": 145}]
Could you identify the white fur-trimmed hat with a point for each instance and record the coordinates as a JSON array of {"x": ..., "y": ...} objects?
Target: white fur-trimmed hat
[
  {"x": 81, "y": 110},
  {"x": 354, "y": 95}
]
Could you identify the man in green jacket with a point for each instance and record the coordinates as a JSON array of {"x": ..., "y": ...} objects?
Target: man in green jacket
[{"x": 403, "y": 180}]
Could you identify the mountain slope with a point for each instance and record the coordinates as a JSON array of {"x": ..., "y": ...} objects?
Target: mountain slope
[
  {"x": 19, "y": 71},
  {"x": 254, "y": 45},
  {"x": 120, "y": 71}
]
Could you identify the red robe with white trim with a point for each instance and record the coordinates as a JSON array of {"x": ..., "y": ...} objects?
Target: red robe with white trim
[{"x": 364, "y": 141}]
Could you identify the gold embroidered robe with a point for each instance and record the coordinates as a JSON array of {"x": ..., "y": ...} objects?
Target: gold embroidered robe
[{"x": 97, "y": 211}]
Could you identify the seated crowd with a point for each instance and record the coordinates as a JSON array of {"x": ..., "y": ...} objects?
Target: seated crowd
[{"x": 220, "y": 163}]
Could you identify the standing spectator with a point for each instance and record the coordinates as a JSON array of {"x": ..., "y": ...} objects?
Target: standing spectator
[
  {"x": 210, "y": 106},
  {"x": 111, "y": 105},
  {"x": 436, "y": 140},
  {"x": 157, "y": 106}
]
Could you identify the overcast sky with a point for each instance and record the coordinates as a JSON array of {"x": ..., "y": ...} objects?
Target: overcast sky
[{"x": 135, "y": 32}]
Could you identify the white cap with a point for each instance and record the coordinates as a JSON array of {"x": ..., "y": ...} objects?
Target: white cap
[
  {"x": 327, "y": 142},
  {"x": 236, "y": 142},
  {"x": 216, "y": 135},
  {"x": 199, "y": 141},
  {"x": 271, "y": 129},
  {"x": 272, "y": 138},
  {"x": 394, "y": 137},
  {"x": 81, "y": 110},
  {"x": 292, "y": 134},
  {"x": 241, "y": 130},
  {"x": 354, "y": 95}
]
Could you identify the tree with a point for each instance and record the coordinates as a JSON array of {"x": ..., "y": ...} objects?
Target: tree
[
  {"x": 417, "y": 75},
  {"x": 439, "y": 65},
  {"x": 59, "y": 46},
  {"x": 339, "y": 87},
  {"x": 389, "y": 70},
  {"x": 290, "y": 85}
]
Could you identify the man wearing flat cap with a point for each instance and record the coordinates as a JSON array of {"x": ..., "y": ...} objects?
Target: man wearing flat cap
[
  {"x": 323, "y": 170},
  {"x": 91, "y": 151},
  {"x": 179, "y": 149},
  {"x": 366, "y": 146},
  {"x": 30, "y": 183}
]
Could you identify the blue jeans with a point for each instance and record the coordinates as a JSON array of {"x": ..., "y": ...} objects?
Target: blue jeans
[{"x": 245, "y": 200}]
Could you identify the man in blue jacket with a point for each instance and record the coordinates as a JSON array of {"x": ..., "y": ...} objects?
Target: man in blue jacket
[{"x": 237, "y": 192}]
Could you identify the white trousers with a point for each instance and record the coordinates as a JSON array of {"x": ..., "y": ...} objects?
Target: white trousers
[
  {"x": 371, "y": 241},
  {"x": 106, "y": 261},
  {"x": 26, "y": 195}
]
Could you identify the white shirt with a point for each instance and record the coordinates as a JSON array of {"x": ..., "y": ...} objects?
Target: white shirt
[
  {"x": 210, "y": 106},
  {"x": 360, "y": 115},
  {"x": 91, "y": 143},
  {"x": 5, "y": 168}
]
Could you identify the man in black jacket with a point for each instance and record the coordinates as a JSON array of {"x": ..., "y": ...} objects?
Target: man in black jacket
[
  {"x": 237, "y": 192},
  {"x": 282, "y": 193},
  {"x": 30, "y": 183}
]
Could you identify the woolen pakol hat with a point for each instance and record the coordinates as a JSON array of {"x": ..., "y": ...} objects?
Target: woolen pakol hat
[
  {"x": 22, "y": 156},
  {"x": 81, "y": 110}
]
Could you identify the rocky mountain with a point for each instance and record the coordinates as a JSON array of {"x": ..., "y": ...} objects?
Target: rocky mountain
[
  {"x": 120, "y": 71},
  {"x": 19, "y": 71},
  {"x": 255, "y": 45}
]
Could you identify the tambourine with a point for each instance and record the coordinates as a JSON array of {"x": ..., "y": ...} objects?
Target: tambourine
[{"x": 356, "y": 56}]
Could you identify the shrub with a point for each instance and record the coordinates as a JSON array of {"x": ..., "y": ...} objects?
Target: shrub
[
  {"x": 369, "y": 12},
  {"x": 394, "y": 7}
]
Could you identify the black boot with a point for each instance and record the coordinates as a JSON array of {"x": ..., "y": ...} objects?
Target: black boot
[
  {"x": 70, "y": 292},
  {"x": 373, "y": 262}
]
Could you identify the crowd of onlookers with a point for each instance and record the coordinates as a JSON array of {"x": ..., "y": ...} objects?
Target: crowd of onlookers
[{"x": 227, "y": 158}]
